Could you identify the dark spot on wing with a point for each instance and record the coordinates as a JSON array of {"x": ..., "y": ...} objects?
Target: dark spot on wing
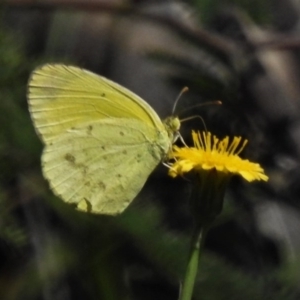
[
  {"x": 84, "y": 169},
  {"x": 70, "y": 158},
  {"x": 89, "y": 129},
  {"x": 101, "y": 185},
  {"x": 89, "y": 206},
  {"x": 103, "y": 95},
  {"x": 138, "y": 158}
]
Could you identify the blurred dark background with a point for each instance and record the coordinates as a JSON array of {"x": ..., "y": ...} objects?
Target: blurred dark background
[{"x": 244, "y": 53}]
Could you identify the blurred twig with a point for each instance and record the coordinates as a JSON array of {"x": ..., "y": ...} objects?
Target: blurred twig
[{"x": 223, "y": 48}]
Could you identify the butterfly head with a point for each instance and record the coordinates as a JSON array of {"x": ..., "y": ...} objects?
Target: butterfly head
[{"x": 172, "y": 125}]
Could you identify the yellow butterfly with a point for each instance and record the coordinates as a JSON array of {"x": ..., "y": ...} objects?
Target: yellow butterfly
[{"x": 101, "y": 140}]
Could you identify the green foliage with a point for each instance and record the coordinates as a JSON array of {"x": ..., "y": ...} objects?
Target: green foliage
[{"x": 14, "y": 136}]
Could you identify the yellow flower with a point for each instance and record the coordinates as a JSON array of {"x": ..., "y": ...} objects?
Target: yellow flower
[{"x": 210, "y": 153}]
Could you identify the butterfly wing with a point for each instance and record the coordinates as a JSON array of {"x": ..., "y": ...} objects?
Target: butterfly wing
[
  {"x": 101, "y": 140},
  {"x": 61, "y": 97},
  {"x": 101, "y": 166}
]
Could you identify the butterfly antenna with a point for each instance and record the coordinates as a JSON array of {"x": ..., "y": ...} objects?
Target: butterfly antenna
[
  {"x": 217, "y": 102},
  {"x": 194, "y": 117},
  {"x": 184, "y": 90}
]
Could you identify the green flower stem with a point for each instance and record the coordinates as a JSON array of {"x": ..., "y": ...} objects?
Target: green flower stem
[{"x": 192, "y": 267}]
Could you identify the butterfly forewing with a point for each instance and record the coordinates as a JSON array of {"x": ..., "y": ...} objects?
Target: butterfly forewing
[
  {"x": 104, "y": 164},
  {"x": 61, "y": 97}
]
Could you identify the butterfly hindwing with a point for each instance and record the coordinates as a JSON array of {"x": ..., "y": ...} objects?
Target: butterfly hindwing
[{"x": 105, "y": 163}]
